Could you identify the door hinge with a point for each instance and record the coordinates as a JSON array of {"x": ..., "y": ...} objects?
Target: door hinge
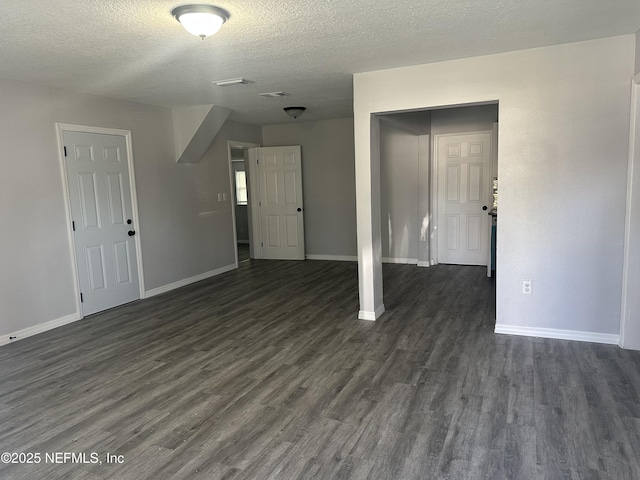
[
  {"x": 262, "y": 244},
  {"x": 259, "y": 204},
  {"x": 65, "y": 151},
  {"x": 81, "y": 298},
  {"x": 73, "y": 225},
  {"x": 257, "y": 162}
]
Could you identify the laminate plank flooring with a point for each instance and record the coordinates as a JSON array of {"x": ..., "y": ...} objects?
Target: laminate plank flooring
[{"x": 265, "y": 373}]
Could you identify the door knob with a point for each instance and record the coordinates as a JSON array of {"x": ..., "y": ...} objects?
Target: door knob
[
  {"x": 484, "y": 207},
  {"x": 131, "y": 233},
  {"x": 299, "y": 209}
]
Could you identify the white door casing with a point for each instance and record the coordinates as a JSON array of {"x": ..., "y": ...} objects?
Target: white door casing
[
  {"x": 100, "y": 198},
  {"x": 463, "y": 197},
  {"x": 280, "y": 202}
]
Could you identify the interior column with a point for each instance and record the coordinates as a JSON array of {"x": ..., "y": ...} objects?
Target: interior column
[{"x": 367, "y": 155}]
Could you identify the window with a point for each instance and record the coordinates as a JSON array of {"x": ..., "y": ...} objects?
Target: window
[{"x": 241, "y": 188}]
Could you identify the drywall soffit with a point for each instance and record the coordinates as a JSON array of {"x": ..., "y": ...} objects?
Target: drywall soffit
[{"x": 195, "y": 128}]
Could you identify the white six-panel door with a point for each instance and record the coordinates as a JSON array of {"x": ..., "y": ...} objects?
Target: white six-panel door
[
  {"x": 280, "y": 202},
  {"x": 463, "y": 175},
  {"x": 100, "y": 197}
]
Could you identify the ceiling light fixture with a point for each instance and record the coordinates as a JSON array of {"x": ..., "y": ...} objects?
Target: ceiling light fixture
[
  {"x": 294, "y": 112},
  {"x": 200, "y": 20}
]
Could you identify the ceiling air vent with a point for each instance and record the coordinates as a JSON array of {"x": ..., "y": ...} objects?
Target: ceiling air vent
[
  {"x": 232, "y": 81},
  {"x": 273, "y": 94}
]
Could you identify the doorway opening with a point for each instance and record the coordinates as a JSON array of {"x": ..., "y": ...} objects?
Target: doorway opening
[
  {"x": 438, "y": 185},
  {"x": 240, "y": 187},
  {"x": 266, "y": 183}
]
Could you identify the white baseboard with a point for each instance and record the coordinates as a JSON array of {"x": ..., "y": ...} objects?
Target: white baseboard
[
  {"x": 181, "y": 283},
  {"x": 574, "y": 335},
  {"x": 354, "y": 258},
  {"x": 42, "y": 327},
  {"x": 409, "y": 261},
  {"x": 425, "y": 263},
  {"x": 338, "y": 258},
  {"x": 372, "y": 316},
  {"x": 59, "y": 322}
]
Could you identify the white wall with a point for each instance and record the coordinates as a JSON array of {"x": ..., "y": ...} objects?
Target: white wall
[
  {"x": 328, "y": 179},
  {"x": 564, "y": 125},
  {"x": 637, "y": 69},
  {"x": 36, "y": 285},
  {"x": 630, "y": 322}
]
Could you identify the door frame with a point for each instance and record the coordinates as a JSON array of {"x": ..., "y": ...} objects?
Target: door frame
[
  {"x": 251, "y": 175},
  {"x": 433, "y": 225},
  {"x": 65, "y": 127},
  {"x": 255, "y": 215},
  {"x": 629, "y": 319}
]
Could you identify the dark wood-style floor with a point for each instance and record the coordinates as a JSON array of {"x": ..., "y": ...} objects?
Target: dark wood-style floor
[{"x": 265, "y": 373}]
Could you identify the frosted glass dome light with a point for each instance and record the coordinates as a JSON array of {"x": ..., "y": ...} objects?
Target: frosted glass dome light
[{"x": 200, "y": 20}]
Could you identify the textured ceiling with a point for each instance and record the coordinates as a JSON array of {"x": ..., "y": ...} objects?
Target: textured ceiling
[{"x": 135, "y": 50}]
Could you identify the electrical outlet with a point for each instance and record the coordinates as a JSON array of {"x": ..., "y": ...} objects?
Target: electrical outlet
[{"x": 526, "y": 287}]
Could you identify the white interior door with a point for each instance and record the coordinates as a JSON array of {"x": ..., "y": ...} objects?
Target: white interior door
[
  {"x": 101, "y": 207},
  {"x": 279, "y": 173},
  {"x": 464, "y": 175}
]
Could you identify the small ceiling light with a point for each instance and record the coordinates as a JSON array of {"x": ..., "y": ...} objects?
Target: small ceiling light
[
  {"x": 200, "y": 20},
  {"x": 294, "y": 112}
]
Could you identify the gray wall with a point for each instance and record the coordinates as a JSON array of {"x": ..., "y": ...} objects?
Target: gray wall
[
  {"x": 328, "y": 178},
  {"x": 399, "y": 193},
  {"x": 36, "y": 285},
  {"x": 204, "y": 238},
  {"x": 563, "y": 149}
]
